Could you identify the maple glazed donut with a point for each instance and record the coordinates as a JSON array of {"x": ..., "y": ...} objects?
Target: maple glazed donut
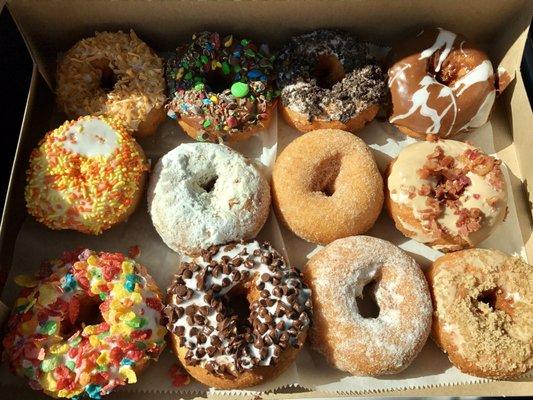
[
  {"x": 483, "y": 312},
  {"x": 440, "y": 84},
  {"x": 114, "y": 74},
  {"x": 92, "y": 324},
  {"x": 201, "y": 194},
  {"x": 214, "y": 342},
  {"x": 328, "y": 79},
  {"x": 373, "y": 344},
  {"x": 326, "y": 185},
  {"x": 221, "y": 89},
  {"x": 86, "y": 175},
  {"x": 446, "y": 194}
]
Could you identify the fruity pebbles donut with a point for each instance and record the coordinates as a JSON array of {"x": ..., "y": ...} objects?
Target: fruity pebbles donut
[
  {"x": 328, "y": 79},
  {"x": 114, "y": 74},
  {"x": 218, "y": 340},
  {"x": 86, "y": 175},
  {"x": 221, "y": 88},
  {"x": 483, "y": 314},
  {"x": 89, "y": 326}
]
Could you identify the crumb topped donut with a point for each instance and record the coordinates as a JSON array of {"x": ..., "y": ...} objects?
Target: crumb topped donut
[
  {"x": 86, "y": 175},
  {"x": 114, "y": 74},
  {"x": 441, "y": 84},
  {"x": 92, "y": 324},
  {"x": 385, "y": 343},
  {"x": 221, "y": 89},
  {"x": 202, "y": 194},
  {"x": 215, "y": 343},
  {"x": 446, "y": 194},
  {"x": 326, "y": 185},
  {"x": 483, "y": 314},
  {"x": 328, "y": 79}
]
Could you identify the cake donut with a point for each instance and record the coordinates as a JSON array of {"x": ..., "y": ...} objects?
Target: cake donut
[
  {"x": 86, "y": 175},
  {"x": 202, "y": 194},
  {"x": 219, "y": 341},
  {"x": 328, "y": 79},
  {"x": 367, "y": 344},
  {"x": 326, "y": 185},
  {"x": 440, "y": 84},
  {"x": 114, "y": 74},
  {"x": 446, "y": 194},
  {"x": 483, "y": 315},
  {"x": 92, "y": 324},
  {"x": 221, "y": 89}
]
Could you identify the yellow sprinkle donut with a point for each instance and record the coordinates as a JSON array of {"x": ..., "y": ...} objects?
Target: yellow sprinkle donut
[{"x": 86, "y": 175}]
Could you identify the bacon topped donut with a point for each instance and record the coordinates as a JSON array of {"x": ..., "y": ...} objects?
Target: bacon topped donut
[{"x": 440, "y": 84}]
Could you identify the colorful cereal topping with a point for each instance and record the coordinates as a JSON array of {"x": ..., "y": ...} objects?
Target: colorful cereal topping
[{"x": 55, "y": 341}]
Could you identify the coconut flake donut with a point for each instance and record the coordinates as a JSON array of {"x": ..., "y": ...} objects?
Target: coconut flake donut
[
  {"x": 202, "y": 194},
  {"x": 114, "y": 74},
  {"x": 221, "y": 89},
  {"x": 329, "y": 80},
  {"x": 483, "y": 314},
  {"x": 386, "y": 343},
  {"x": 217, "y": 340},
  {"x": 86, "y": 175},
  {"x": 441, "y": 84},
  {"x": 446, "y": 194},
  {"x": 326, "y": 185},
  {"x": 92, "y": 324}
]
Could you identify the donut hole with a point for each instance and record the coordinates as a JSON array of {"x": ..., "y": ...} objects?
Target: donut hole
[
  {"x": 325, "y": 176},
  {"x": 237, "y": 304},
  {"x": 496, "y": 301},
  {"x": 366, "y": 303},
  {"x": 108, "y": 78},
  {"x": 328, "y": 71},
  {"x": 452, "y": 69},
  {"x": 216, "y": 81},
  {"x": 209, "y": 183},
  {"x": 88, "y": 314}
]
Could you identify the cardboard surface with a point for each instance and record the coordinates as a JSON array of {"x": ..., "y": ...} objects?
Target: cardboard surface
[{"x": 163, "y": 24}]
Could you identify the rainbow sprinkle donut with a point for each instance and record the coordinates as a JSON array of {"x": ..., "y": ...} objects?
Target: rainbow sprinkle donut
[
  {"x": 49, "y": 343},
  {"x": 86, "y": 175}
]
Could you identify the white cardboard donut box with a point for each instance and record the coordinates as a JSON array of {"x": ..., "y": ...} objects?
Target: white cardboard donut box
[{"x": 51, "y": 27}]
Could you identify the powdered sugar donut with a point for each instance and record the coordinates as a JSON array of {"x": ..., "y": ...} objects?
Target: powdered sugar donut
[
  {"x": 204, "y": 194},
  {"x": 387, "y": 343}
]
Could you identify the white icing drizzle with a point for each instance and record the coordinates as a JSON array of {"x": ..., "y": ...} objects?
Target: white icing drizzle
[
  {"x": 444, "y": 38},
  {"x": 481, "y": 73},
  {"x": 91, "y": 137}
]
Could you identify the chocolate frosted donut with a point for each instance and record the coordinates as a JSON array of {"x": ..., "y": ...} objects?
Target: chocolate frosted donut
[
  {"x": 440, "y": 84},
  {"x": 213, "y": 340},
  {"x": 329, "y": 80}
]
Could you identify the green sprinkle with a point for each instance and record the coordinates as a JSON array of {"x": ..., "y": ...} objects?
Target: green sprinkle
[
  {"x": 185, "y": 64},
  {"x": 188, "y": 76},
  {"x": 49, "y": 364},
  {"x": 207, "y": 123},
  {"x": 204, "y": 59},
  {"x": 102, "y": 296},
  {"x": 249, "y": 52},
  {"x": 70, "y": 365},
  {"x": 237, "y": 68},
  {"x": 225, "y": 68},
  {"x": 101, "y": 368},
  {"x": 239, "y": 89},
  {"x": 141, "y": 345},
  {"x": 136, "y": 322},
  {"x": 76, "y": 341},
  {"x": 199, "y": 87},
  {"x": 49, "y": 328},
  {"x": 245, "y": 42}
]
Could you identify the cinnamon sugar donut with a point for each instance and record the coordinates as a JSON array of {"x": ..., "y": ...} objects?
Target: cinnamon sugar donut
[
  {"x": 326, "y": 185},
  {"x": 387, "y": 343},
  {"x": 483, "y": 314},
  {"x": 446, "y": 194}
]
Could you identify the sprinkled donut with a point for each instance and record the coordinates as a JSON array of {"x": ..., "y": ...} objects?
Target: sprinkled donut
[
  {"x": 202, "y": 194},
  {"x": 483, "y": 314},
  {"x": 329, "y": 80},
  {"x": 218, "y": 345},
  {"x": 446, "y": 194},
  {"x": 326, "y": 185},
  {"x": 221, "y": 88},
  {"x": 114, "y": 74},
  {"x": 372, "y": 345},
  {"x": 54, "y": 340},
  {"x": 440, "y": 84},
  {"x": 86, "y": 175}
]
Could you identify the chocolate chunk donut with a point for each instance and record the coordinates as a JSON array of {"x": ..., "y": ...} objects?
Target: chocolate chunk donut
[{"x": 328, "y": 79}]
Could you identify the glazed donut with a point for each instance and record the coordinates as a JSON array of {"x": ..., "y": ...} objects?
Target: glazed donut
[
  {"x": 371, "y": 345},
  {"x": 326, "y": 185},
  {"x": 86, "y": 175},
  {"x": 113, "y": 74},
  {"x": 89, "y": 326},
  {"x": 222, "y": 347},
  {"x": 329, "y": 80},
  {"x": 440, "y": 84},
  {"x": 221, "y": 88},
  {"x": 447, "y": 194},
  {"x": 202, "y": 194},
  {"x": 483, "y": 312}
]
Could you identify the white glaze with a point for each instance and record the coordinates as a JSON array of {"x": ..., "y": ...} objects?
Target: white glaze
[{"x": 91, "y": 138}]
